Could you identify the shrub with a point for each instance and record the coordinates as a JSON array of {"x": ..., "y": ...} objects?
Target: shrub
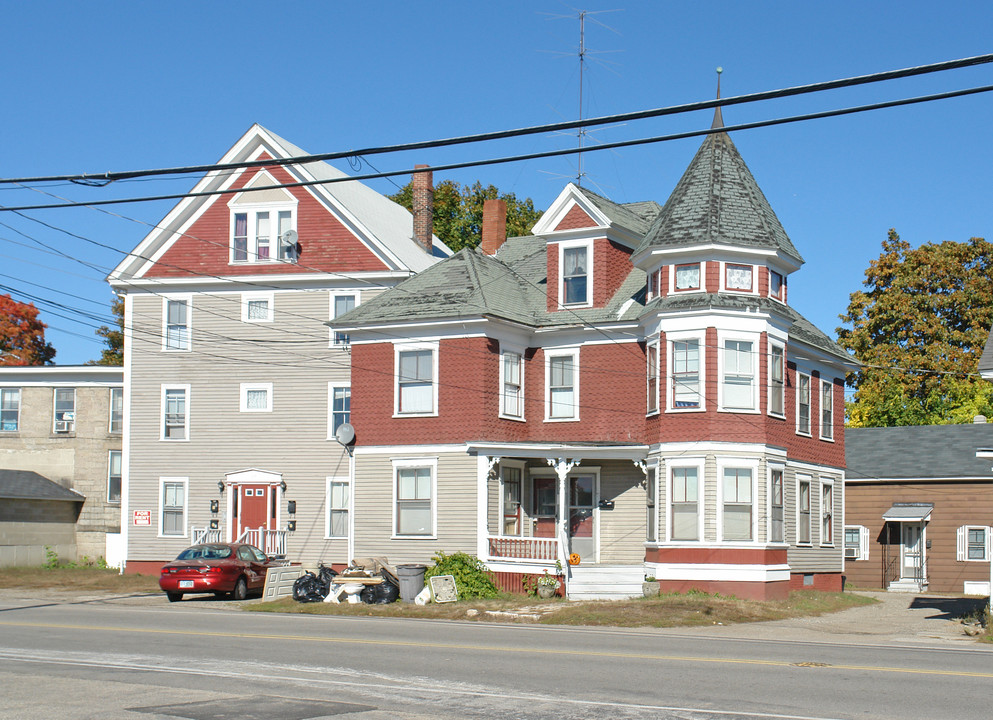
[{"x": 472, "y": 579}]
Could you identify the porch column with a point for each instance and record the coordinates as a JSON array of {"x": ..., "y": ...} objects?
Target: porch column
[
  {"x": 486, "y": 468},
  {"x": 562, "y": 467}
]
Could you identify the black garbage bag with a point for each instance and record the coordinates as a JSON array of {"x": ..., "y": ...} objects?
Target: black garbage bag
[
  {"x": 383, "y": 594},
  {"x": 308, "y": 588}
]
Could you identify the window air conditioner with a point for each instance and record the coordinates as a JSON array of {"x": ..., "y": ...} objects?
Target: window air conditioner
[
  {"x": 63, "y": 426},
  {"x": 852, "y": 553}
]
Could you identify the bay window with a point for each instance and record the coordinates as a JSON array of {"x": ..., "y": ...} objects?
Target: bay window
[
  {"x": 686, "y": 392},
  {"x": 738, "y": 370},
  {"x": 684, "y": 506},
  {"x": 738, "y": 506}
]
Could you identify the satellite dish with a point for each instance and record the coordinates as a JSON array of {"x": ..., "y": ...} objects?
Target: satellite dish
[
  {"x": 345, "y": 434},
  {"x": 289, "y": 237}
]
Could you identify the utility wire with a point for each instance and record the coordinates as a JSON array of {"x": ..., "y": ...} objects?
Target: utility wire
[
  {"x": 108, "y": 177},
  {"x": 520, "y": 158}
]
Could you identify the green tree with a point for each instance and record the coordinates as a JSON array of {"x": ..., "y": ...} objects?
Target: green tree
[
  {"x": 919, "y": 328},
  {"x": 22, "y": 335},
  {"x": 458, "y": 212},
  {"x": 113, "y": 354}
]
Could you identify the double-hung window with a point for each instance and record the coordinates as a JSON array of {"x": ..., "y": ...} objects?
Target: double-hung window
[
  {"x": 776, "y": 506},
  {"x": 261, "y": 235},
  {"x": 802, "y": 404},
  {"x": 512, "y": 380},
  {"x": 827, "y": 410},
  {"x": 177, "y": 324},
  {"x": 416, "y": 370},
  {"x": 10, "y": 409},
  {"x": 114, "y": 477},
  {"x": 414, "y": 498},
  {"x": 65, "y": 410},
  {"x": 686, "y": 394},
  {"x": 652, "y": 353},
  {"x": 575, "y": 275},
  {"x": 827, "y": 513},
  {"x": 338, "y": 504},
  {"x": 172, "y": 506},
  {"x": 175, "y": 418},
  {"x": 738, "y": 386},
  {"x": 341, "y": 303},
  {"x": 340, "y": 404},
  {"x": 856, "y": 542},
  {"x": 803, "y": 510},
  {"x": 684, "y": 508},
  {"x": 738, "y": 503},
  {"x": 116, "y": 410},
  {"x": 777, "y": 384},
  {"x": 561, "y": 399},
  {"x": 973, "y": 543},
  {"x": 776, "y": 285}
]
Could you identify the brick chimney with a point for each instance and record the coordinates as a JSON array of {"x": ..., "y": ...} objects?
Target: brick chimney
[
  {"x": 494, "y": 225},
  {"x": 422, "y": 192}
]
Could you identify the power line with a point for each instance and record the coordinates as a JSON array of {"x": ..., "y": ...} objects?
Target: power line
[{"x": 108, "y": 177}]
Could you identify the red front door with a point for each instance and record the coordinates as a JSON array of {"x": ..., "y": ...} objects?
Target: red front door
[{"x": 253, "y": 507}]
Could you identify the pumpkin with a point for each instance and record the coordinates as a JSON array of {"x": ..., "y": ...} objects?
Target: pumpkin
[{"x": 574, "y": 559}]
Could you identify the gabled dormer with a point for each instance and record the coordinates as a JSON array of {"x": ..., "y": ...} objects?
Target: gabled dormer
[
  {"x": 717, "y": 232},
  {"x": 589, "y": 241}
]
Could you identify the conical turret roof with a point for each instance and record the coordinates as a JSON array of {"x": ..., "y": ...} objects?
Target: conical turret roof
[{"x": 717, "y": 201}]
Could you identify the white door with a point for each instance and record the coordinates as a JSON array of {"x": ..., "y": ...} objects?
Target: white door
[{"x": 910, "y": 565}]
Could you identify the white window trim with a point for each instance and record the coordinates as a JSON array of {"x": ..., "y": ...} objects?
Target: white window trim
[
  {"x": 556, "y": 353},
  {"x": 110, "y": 411},
  {"x": 670, "y": 359},
  {"x": 162, "y": 413},
  {"x": 241, "y": 203},
  {"x": 344, "y": 480},
  {"x": 822, "y": 383},
  {"x": 723, "y": 338},
  {"x": 185, "y": 481},
  {"x": 188, "y": 298},
  {"x": 724, "y": 278},
  {"x": 243, "y": 397},
  {"x": 332, "y": 386},
  {"x": 803, "y": 478},
  {"x": 400, "y": 463},
  {"x": 749, "y": 464},
  {"x": 519, "y": 465},
  {"x": 569, "y": 244},
  {"x": 773, "y": 344},
  {"x": 406, "y": 347},
  {"x": 110, "y": 465},
  {"x": 821, "y": 514},
  {"x": 781, "y": 295},
  {"x": 770, "y": 467},
  {"x": 686, "y": 291},
  {"x": 656, "y": 400},
  {"x": 810, "y": 403},
  {"x": 863, "y": 548},
  {"x": 684, "y": 462},
  {"x": 20, "y": 396},
  {"x": 75, "y": 414},
  {"x": 514, "y": 350},
  {"x": 962, "y": 543},
  {"x": 331, "y": 299},
  {"x": 270, "y": 306}
]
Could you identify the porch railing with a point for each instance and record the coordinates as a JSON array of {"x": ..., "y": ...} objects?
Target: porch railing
[
  {"x": 271, "y": 542},
  {"x": 524, "y": 548},
  {"x": 205, "y": 535}
]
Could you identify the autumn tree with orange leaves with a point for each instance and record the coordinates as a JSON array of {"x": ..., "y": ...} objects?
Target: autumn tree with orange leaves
[{"x": 22, "y": 335}]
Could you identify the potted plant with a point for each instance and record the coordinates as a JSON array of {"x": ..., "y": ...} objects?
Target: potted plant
[
  {"x": 650, "y": 586},
  {"x": 547, "y": 585}
]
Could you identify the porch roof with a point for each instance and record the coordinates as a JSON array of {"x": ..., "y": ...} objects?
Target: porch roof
[
  {"x": 909, "y": 512},
  {"x": 569, "y": 450}
]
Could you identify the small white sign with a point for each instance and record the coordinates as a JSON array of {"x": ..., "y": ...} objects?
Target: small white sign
[{"x": 142, "y": 517}]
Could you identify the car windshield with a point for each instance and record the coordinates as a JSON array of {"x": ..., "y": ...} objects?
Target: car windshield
[{"x": 205, "y": 552}]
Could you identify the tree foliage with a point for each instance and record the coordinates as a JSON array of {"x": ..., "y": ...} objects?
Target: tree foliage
[
  {"x": 458, "y": 212},
  {"x": 22, "y": 335},
  {"x": 113, "y": 354},
  {"x": 919, "y": 328}
]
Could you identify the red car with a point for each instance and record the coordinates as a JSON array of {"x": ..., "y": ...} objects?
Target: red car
[{"x": 233, "y": 569}]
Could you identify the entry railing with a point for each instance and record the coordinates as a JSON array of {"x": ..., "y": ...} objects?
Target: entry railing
[
  {"x": 523, "y": 548},
  {"x": 271, "y": 542},
  {"x": 205, "y": 535}
]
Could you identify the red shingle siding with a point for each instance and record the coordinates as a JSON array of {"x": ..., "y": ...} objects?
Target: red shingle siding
[
  {"x": 576, "y": 218},
  {"x": 325, "y": 244},
  {"x": 712, "y": 272},
  {"x": 552, "y": 276},
  {"x": 611, "y": 266}
]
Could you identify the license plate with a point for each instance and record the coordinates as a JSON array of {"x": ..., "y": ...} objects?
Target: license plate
[{"x": 185, "y": 583}]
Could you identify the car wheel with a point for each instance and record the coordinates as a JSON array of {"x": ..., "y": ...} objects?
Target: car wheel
[
  {"x": 174, "y": 596},
  {"x": 240, "y": 591}
]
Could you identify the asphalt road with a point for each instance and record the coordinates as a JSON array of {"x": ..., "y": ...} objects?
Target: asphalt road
[{"x": 210, "y": 661}]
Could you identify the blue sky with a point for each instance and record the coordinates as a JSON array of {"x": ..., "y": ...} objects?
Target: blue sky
[{"x": 91, "y": 87}]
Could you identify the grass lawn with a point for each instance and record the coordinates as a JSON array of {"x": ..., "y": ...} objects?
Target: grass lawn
[{"x": 76, "y": 578}]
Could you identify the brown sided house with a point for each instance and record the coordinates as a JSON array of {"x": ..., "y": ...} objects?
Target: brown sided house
[{"x": 918, "y": 507}]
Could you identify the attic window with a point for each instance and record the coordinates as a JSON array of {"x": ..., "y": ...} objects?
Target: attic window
[
  {"x": 575, "y": 275},
  {"x": 262, "y": 235},
  {"x": 738, "y": 277},
  {"x": 775, "y": 284},
  {"x": 688, "y": 277}
]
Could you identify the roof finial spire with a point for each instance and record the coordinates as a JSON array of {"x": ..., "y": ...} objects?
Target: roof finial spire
[{"x": 718, "y": 118}]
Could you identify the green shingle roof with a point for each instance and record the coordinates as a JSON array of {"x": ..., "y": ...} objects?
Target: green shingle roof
[{"x": 717, "y": 201}]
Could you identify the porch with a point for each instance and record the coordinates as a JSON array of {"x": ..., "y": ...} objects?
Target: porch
[{"x": 271, "y": 542}]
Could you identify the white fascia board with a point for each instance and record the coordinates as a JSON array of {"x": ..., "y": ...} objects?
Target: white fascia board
[
  {"x": 719, "y": 448},
  {"x": 816, "y": 359},
  {"x": 546, "y": 450},
  {"x": 432, "y": 330},
  {"x": 921, "y": 480},
  {"x": 561, "y": 206},
  {"x": 815, "y": 468},
  {"x": 409, "y": 451},
  {"x": 375, "y": 280},
  {"x": 79, "y": 375}
]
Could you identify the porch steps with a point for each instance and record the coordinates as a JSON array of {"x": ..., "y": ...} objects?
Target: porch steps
[
  {"x": 606, "y": 582},
  {"x": 907, "y": 586}
]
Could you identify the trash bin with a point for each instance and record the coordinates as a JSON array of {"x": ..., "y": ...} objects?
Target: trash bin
[{"x": 411, "y": 581}]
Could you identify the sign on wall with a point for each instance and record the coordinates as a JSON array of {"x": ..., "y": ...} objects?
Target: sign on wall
[{"x": 142, "y": 517}]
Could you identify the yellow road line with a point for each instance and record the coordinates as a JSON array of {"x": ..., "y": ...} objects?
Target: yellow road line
[{"x": 489, "y": 648}]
